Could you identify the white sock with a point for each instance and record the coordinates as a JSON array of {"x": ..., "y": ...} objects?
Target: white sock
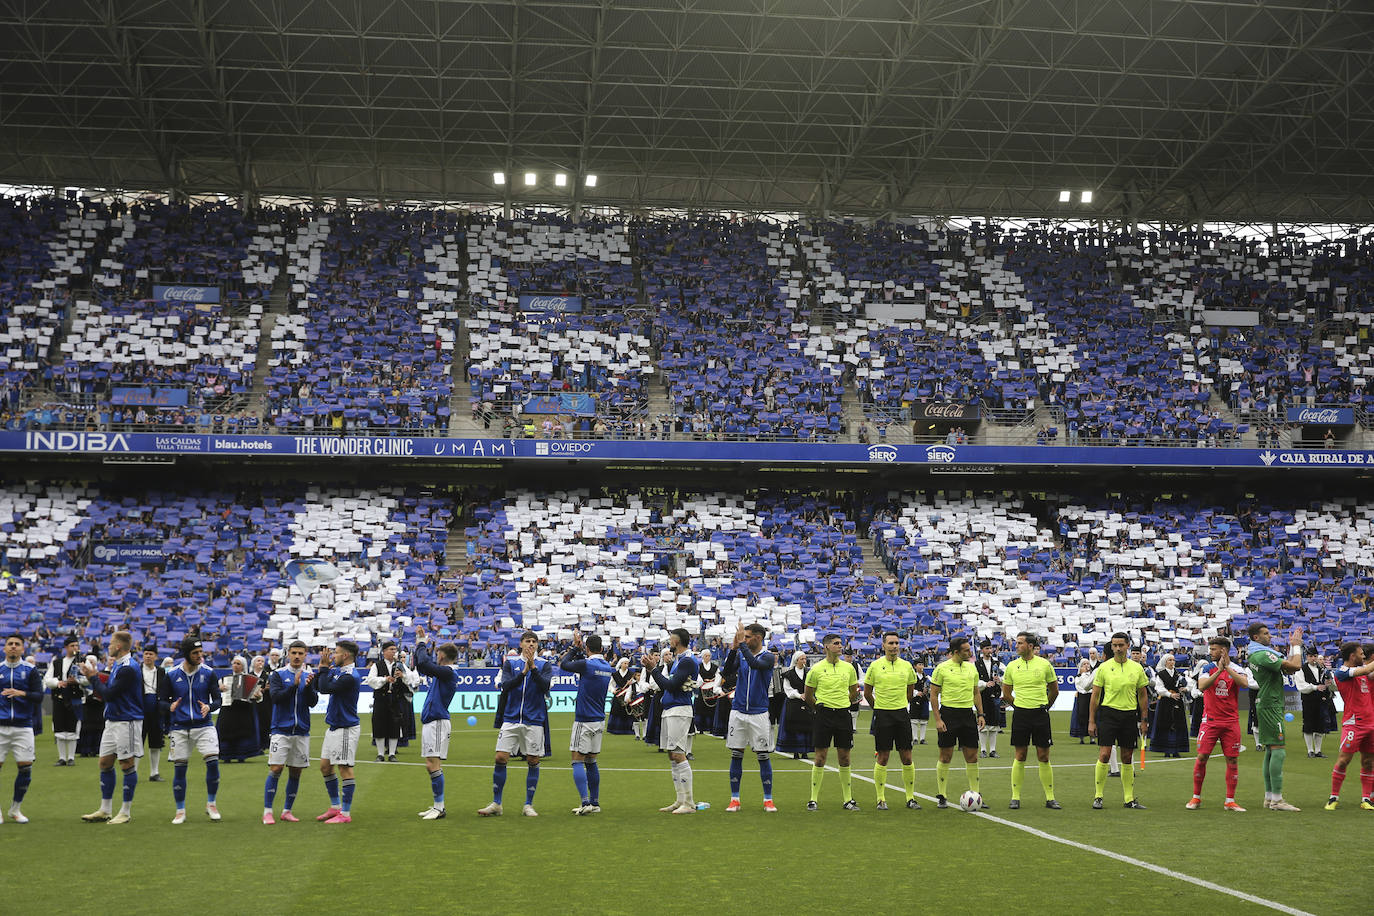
[
  {"x": 992, "y": 741},
  {"x": 687, "y": 782},
  {"x": 124, "y": 808},
  {"x": 677, "y": 783},
  {"x": 107, "y": 805},
  {"x": 921, "y": 729},
  {"x": 153, "y": 763},
  {"x": 1114, "y": 762},
  {"x": 1317, "y": 742}
]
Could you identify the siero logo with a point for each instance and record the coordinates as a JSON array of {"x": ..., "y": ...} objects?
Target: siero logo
[
  {"x": 76, "y": 442},
  {"x": 941, "y": 453},
  {"x": 882, "y": 453},
  {"x": 1319, "y": 415},
  {"x": 1267, "y": 457}
]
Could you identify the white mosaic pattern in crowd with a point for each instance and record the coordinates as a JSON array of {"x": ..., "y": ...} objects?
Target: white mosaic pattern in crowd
[
  {"x": 437, "y": 308},
  {"x": 43, "y": 518},
  {"x": 363, "y": 600},
  {"x": 165, "y": 340},
  {"x": 526, "y": 243},
  {"x": 530, "y": 348},
  {"x": 566, "y": 582}
]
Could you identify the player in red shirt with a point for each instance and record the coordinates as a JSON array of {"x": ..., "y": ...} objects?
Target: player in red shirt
[
  {"x": 1357, "y": 730},
  {"x": 1220, "y": 683}
]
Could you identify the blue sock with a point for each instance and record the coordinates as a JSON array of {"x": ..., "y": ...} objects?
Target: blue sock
[
  {"x": 736, "y": 774},
  {"x": 531, "y": 783},
  {"x": 331, "y": 785},
  {"x": 498, "y": 782},
  {"x": 436, "y": 785},
  {"x": 269, "y": 790},
  {"x": 766, "y": 774},
  {"x": 21, "y": 783},
  {"x": 107, "y": 784},
  {"x": 179, "y": 785},
  {"x": 580, "y": 780},
  {"x": 130, "y": 783},
  {"x": 593, "y": 782},
  {"x": 347, "y": 799},
  {"x": 293, "y": 785},
  {"x": 211, "y": 779}
]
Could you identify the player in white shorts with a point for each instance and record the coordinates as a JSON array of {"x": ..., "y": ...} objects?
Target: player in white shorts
[
  {"x": 122, "y": 740},
  {"x": 589, "y": 717},
  {"x": 435, "y": 724},
  {"x": 192, "y": 693},
  {"x": 749, "y": 726},
  {"x": 340, "y": 748},
  {"x": 21, "y": 693},
  {"x": 524, "y": 684},
  {"x": 293, "y": 694}
]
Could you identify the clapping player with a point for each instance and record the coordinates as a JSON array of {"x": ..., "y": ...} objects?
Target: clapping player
[
  {"x": 749, "y": 724},
  {"x": 589, "y": 717},
  {"x": 676, "y": 677},
  {"x": 525, "y": 683},
  {"x": 21, "y": 693},
  {"x": 435, "y": 724},
  {"x": 293, "y": 696},
  {"x": 340, "y": 745},
  {"x": 192, "y": 693},
  {"x": 1221, "y": 682}
]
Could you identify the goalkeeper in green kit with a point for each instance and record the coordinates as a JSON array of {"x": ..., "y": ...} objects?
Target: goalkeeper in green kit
[{"x": 1267, "y": 668}]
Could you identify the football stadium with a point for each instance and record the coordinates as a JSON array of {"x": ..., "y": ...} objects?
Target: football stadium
[{"x": 726, "y": 455}]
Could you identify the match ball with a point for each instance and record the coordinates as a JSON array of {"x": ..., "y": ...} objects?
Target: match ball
[
  {"x": 1288, "y": 717},
  {"x": 472, "y": 720},
  {"x": 970, "y": 801}
]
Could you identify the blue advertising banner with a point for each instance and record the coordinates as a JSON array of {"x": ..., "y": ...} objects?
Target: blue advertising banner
[
  {"x": 186, "y": 293},
  {"x": 544, "y": 302},
  {"x": 128, "y": 554},
  {"x": 150, "y": 397},
  {"x": 1322, "y": 416},
  {"x": 946, "y": 458},
  {"x": 581, "y": 404}
]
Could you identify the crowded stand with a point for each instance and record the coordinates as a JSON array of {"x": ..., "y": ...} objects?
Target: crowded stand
[
  {"x": 371, "y": 347},
  {"x": 736, "y": 362},
  {"x": 550, "y": 333}
]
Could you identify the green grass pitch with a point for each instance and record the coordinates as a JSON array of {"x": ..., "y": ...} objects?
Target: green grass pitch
[{"x": 630, "y": 858}]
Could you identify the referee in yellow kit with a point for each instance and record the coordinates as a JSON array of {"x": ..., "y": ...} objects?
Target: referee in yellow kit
[
  {"x": 956, "y": 707},
  {"x": 1117, "y": 716},
  {"x": 1030, "y": 687},
  {"x": 889, "y": 684},
  {"x": 832, "y": 686}
]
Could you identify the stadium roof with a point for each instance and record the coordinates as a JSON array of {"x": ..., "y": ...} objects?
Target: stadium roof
[{"x": 1185, "y": 111}]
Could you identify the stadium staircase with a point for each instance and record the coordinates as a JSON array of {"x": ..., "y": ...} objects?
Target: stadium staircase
[
  {"x": 456, "y": 548},
  {"x": 278, "y": 304},
  {"x": 873, "y": 564},
  {"x": 460, "y": 421},
  {"x": 659, "y": 402}
]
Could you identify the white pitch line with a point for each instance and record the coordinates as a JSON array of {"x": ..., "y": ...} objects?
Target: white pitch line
[
  {"x": 606, "y": 769},
  {"x": 1119, "y": 857}
]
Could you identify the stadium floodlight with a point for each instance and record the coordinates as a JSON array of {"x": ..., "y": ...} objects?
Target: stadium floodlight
[
  {"x": 1086, "y": 197},
  {"x": 591, "y": 181},
  {"x": 498, "y": 177},
  {"x": 529, "y": 179},
  {"x": 1065, "y": 196},
  {"x": 561, "y": 180}
]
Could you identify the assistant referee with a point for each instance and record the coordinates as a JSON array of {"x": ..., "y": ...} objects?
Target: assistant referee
[
  {"x": 1117, "y": 715},
  {"x": 889, "y": 684},
  {"x": 956, "y": 706},
  {"x": 832, "y": 685},
  {"x": 1030, "y": 687}
]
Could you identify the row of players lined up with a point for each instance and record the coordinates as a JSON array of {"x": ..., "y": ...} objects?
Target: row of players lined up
[{"x": 1118, "y": 717}]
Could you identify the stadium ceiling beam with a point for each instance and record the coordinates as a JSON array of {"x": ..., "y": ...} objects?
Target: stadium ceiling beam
[
  {"x": 220, "y": 90},
  {"x": 1331, "y": 16},
  {"x": 120, "y": 41},
  {"x": 1002, "y": 13},
  {"x": 590, "y": 90}
]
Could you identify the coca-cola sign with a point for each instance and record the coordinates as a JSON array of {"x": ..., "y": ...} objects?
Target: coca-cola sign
[
  {"x": 186, "y": 293},
  {"x": 546, "y": 303},
  {"x": 1322, "y": 416},
  {"x": 944, "y": 412}
]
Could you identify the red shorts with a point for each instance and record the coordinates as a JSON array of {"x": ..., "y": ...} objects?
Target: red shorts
[
  {"x": 1228, "y": 734},
  {"x": 1357, "y": 737}
]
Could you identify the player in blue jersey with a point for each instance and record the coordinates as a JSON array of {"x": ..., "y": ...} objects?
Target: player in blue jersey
[
  {"x": 749, "y": 726},
  {"x": 589, "y": 718},
  {"x": 435, "y": 725},
  {"x": 293, "y": 696},
  {"x": 524, "y": 682},
  {"x": 676, "y": 676},
  {"x": 122, "y": 739},
  {"x": 340, "y": 748},
  {"x": 21, "y": 694},
  {"x": 192, "y": 692}
]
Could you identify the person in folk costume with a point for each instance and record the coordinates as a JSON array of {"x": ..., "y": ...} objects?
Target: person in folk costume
[
  {"x": 238, "y": 714},
  {"x": 261, "y": 668},
  {"x": 776, "y": 697},
  {"x": 990, "y": 683},
  {"x": 1316, "y": 684},
  {"x": 1082, "y": 698},
  {"x": 794, "y": 728},
  {"x": 1169, "y": 724},
  {"x": 63, "y": 681},
  {"x": 720, "y": 725},
  {"x": 653, "y": 710},
  {"x": 708, "y": 691},
  {"x": 1195, "y": 696},
  {"x": 389, "y": 680},
  {"x": 623, "y": 680},
  {"x": 92, "y": 716},
  {"x": 919, "y": 709}
]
